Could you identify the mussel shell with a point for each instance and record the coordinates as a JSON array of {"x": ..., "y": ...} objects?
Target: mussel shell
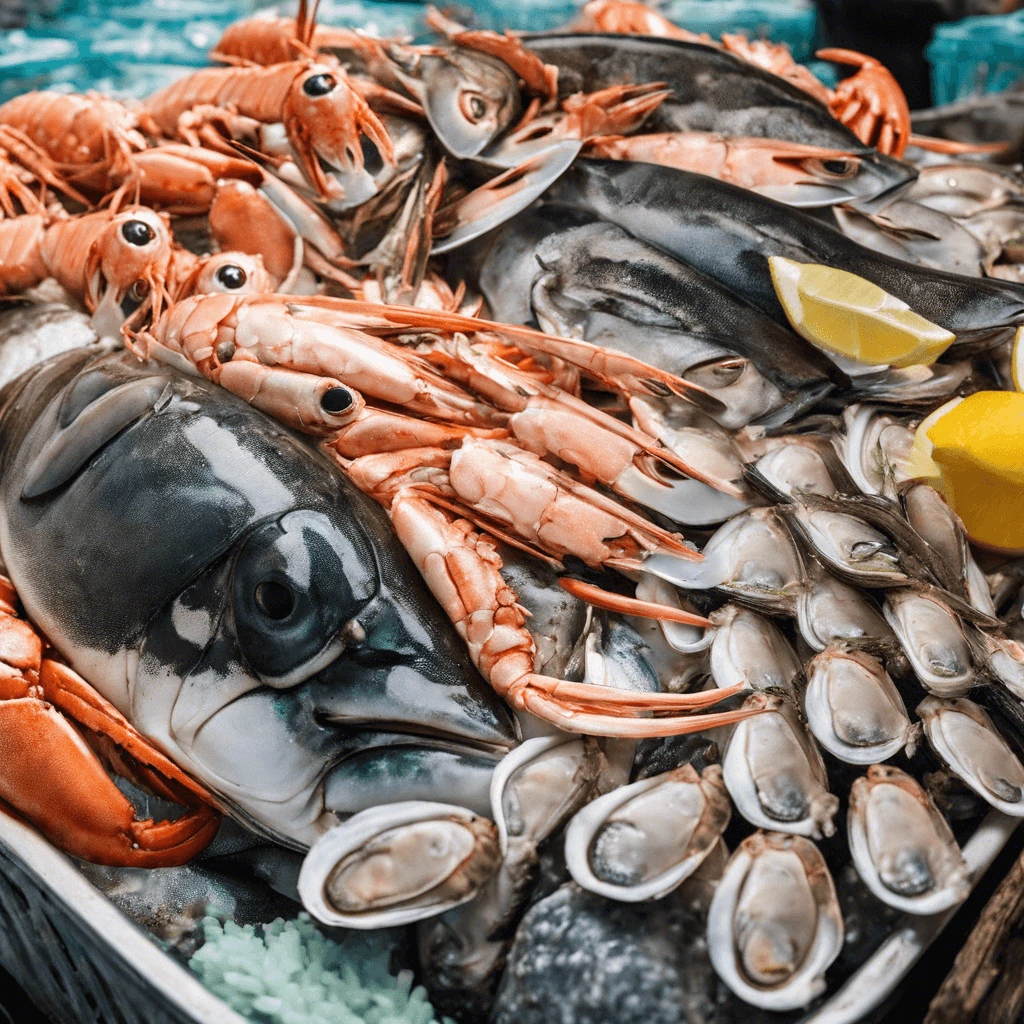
[
  {"x": 854, "y": 710},
  {"x": 398, "y": 863},
  {"x": 775, "y": 910},
  {"x": 851, "y": 548},
  {"x": 876, "y": 449},
  {"x": 829, "y": 610},
  {"x": 933, "y": 639},
  {"x": 775, "y": 774},
  {"x": 752, "y": 558},
  {"x": 902, "y": 847},
  {"x": 537, "y": 786},
  {"x": 749, "y": 649},
  {"x": 639, "y": 842},
  {"x": 963, "y": 735}
]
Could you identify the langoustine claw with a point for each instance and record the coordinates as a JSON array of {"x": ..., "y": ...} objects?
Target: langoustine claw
[{"x": 54, "y": 731}]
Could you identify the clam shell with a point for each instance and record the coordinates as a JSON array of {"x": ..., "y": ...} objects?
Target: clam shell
[
  {"x": 398, "y": 863},
  {"x": 830, "y": 610},
  {"x": 537, "y": 786},
  {"x": 854, "y": 710},
  {"x": 963, "y": 735},
  {"x": 775, "y": 774},
  {"x": 902, "y": 847},
  {"x": 749, "y": 649},
  {"x": 639, "y": 842},
  {"x": 933, "y": 640},
  {"x": 775, "y": 899}
]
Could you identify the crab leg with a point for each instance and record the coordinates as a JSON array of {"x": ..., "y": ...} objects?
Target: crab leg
[
  {"x": 630, "y": 605},
  {"x": 615, "y": 370},
  {"x": 462, "y": 569},
  {"x": 52, "y": 776}
]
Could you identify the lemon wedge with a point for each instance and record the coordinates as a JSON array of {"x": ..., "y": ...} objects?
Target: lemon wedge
[
  {"x": 975, "y": 446},
  {"x": 1017, "y": 360},
  {"x": 850, "y": 317}
]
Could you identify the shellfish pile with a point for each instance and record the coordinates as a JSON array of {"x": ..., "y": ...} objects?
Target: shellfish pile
[{"x": 667, "y": 450}]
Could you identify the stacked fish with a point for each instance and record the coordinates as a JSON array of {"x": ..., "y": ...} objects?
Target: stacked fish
[{"x": 693, "y": 403}]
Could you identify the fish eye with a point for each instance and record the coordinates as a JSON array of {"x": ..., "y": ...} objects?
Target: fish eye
[
  {"x": 295, "y": 582},
  {"x": 336, "y": 400},
  {"x": 473, "y": 106},
  {"x": 139, "y": 290},
  {"x": 841, "y": 168},
  {"x": 231, "y": 276},
  {"x": 274, "y": 600},
  {"x": 137, "y": 232},
  {"x": 319, "y": 85}
]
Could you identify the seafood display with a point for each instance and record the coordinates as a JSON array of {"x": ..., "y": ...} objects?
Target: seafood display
[{"x": 551, "y": 496}]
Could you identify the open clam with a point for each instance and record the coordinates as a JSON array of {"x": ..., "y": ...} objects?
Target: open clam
[
  {"x": 876, "y": 449},
  {"x": 752, "y": 557},
  {"x": 902, "y": 847},
  {"x": 963, "y": 735},
  {"x": 854, "y": 710},
  {"x": 748, "y": 649},
  {"x": 933, "y": 640},
  {"x": 398, "y": 863},
  {"x": 640, "y": 841},
  {"x": 539, "y": 784},
  {"x": 829, "y": 610},
  {"x": 775, "y": 774},
  {"x": 774, "y": 925}
]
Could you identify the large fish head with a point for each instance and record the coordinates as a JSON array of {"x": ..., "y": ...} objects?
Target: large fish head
[{"x": 236, "y": 598}]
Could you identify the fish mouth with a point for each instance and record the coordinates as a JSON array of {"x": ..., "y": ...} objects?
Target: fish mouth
[
  {"x": 809, "y": 195},
  {"x": 884, "y": 179}
]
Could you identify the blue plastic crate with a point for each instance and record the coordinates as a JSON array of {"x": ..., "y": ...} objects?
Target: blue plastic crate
[
  {"x": 976, "y": 55},
  {"x": 780, "y": 21}
]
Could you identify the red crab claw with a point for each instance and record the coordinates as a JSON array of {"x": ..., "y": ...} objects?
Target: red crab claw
[
  {"x": 870, "y": 103},
  {"x": 52, "y": 724}
]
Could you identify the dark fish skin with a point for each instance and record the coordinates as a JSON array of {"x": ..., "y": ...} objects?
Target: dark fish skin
[
  {"x": 728, "y": 233},
  {"x": 712, "y": 91},
  {"x": 659, "y": 302},
  {"x": 141, "y": 513}
]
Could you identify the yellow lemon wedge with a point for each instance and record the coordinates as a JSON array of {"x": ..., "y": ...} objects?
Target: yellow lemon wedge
[
  {"x": 975, "y": 446},
  {"x": 850, "y": 317},
  {"x": 1017, "y": 360}
]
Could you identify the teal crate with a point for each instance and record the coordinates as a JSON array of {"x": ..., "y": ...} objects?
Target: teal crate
[
  {"x": 976, "y": 55},
  {"x": 795, "y": 24}
]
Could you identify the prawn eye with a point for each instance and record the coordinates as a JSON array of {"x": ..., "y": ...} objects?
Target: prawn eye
[
  {"x": 137, "y": 232},
  {"x": 319, "y": 85},
  {"x": 274, "y": 600},
  {"x": 474, "y": 107},
  {"x": 336, "y": 400},
  {"x": 231, "y": 276}
]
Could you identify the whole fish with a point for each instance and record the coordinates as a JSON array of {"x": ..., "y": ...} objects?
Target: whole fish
[
  {"x": 238, "y": 600},
  {"x": 582, "y": 277},
  {"x": 713, "y": 91},
  {"x": 728, "y": 233}
]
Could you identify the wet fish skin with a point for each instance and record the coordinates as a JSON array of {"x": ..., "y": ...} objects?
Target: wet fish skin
[
  {"x": 712, "y": 91},
  {"x": 663, "y": 311},
  {"x": 728, "y": 233}
]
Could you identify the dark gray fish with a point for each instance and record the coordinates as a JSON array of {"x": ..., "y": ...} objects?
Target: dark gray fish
[
  {"x": 728, "y": 233},
  {"x": 587, "y": 278},
  {"x": 712, "y": 91},
  {"x": 235, "y": 597}
]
